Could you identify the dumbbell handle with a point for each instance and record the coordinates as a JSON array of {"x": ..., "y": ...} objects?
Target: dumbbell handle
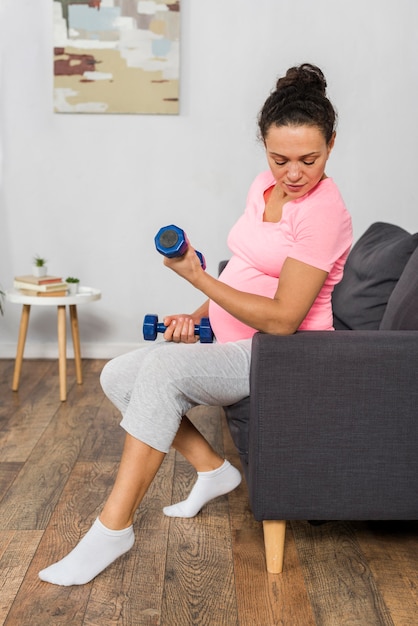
[
  {"x": 161, "y": 328},
  {"x": 170, "y": 241}
]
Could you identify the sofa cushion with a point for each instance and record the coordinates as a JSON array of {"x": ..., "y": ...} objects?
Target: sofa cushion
[
  {"x": 373, "y": 268},
  {"x": 402, "y": 309}
]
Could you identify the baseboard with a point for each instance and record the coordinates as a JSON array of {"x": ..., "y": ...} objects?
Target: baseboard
[{"x": 50, "y": 350}]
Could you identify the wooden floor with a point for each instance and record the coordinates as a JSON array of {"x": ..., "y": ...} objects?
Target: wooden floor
[{"x": 57, "y": 463}]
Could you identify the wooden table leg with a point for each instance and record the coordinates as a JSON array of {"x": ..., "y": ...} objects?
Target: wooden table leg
[
  {"x": 62, "y": 353},
  {"x": 76, "y": 343},
  {"x": 24, "y": 321}
]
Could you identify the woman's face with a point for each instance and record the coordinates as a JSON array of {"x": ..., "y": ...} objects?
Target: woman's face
[{"x": 297, "y": 156}]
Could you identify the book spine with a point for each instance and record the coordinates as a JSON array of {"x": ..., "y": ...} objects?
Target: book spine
[
  {"x": 43, "y": 294},
  {"x": 18, "y": 284},
  {"x": 49, "y": 281},
  {"x": 45, "y": 280}
]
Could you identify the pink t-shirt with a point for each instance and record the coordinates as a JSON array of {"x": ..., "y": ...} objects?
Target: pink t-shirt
[{"x": 315, "y": 229}]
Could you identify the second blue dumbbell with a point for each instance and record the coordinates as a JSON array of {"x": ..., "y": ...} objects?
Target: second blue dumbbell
[
  {"x": 152, "y": 327},
  {"x": 171, "y": 241}
]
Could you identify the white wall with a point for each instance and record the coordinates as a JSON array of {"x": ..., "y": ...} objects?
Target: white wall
[{"x": 89, "y": 192}]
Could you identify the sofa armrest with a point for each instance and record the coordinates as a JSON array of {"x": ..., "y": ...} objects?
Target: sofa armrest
[{"x": 334, "y": 425}]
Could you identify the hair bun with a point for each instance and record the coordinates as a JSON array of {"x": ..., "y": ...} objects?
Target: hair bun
[
  {"x": 299, "y": 99},
  {"x": 303, "y": 78}
]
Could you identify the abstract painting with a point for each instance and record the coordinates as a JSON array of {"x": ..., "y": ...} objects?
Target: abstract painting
[{"x": 116, "y": 56}]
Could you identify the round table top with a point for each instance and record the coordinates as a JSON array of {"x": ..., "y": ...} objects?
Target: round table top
[{"x": 85, "y": 294}]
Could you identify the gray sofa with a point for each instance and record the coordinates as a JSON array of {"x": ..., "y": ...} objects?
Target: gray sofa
[{"x": 330, "y": 430}]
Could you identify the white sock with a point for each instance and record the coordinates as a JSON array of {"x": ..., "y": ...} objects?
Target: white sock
[
  {"x": 209, "y": 485},
  {"x": 98, "y": 549}
]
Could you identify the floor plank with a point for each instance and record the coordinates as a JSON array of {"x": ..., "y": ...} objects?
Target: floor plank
[
  {"x": 194, "y": 594},
  {"x": 351, "y": 596},
  {"x": 137, "y": 598},
  {"x": 30, "y": 501},
  {"x": 31, "y": 376},
  {"x": 16, "y": 552},
  {"x": 391, "y": 549},
  {"x": 8, "y": 473}
]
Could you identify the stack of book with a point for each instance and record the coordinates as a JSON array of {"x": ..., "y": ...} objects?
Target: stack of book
[{"x": 41, "y": 286}]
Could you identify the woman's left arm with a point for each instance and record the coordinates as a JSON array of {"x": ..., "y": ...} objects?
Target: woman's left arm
[{"x": 298, "y": 287}]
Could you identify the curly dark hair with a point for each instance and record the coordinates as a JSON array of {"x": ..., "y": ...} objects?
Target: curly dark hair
[{"x": 299, "y": 99}]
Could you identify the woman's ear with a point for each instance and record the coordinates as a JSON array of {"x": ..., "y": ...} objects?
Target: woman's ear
[{"x": 331, "y": 142}]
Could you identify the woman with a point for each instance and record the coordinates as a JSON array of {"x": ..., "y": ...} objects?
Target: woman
[{"x": 289, "y": 250}]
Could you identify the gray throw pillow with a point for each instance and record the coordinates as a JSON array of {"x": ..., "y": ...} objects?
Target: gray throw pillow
[
  {"x": 373, "y": 268},
  {"x": 402, "y": 310}
]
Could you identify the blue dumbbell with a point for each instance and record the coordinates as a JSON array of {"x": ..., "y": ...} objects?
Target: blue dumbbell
[
  {"x": 170, "y": 241},
  {"x": 151, "y": 327}
]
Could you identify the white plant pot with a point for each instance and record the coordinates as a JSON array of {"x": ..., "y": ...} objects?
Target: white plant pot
[
  {"x": 72, "y": 288},
  {"x": 39, "y": 270}
]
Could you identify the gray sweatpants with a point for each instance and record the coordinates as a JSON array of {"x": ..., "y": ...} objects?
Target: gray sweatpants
[{"x": 156, "y": 385}]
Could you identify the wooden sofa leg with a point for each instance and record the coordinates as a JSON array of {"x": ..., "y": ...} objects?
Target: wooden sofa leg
[{"x": 274, "y": 536}]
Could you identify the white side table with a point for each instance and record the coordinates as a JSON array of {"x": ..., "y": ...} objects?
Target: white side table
[{"x": 86, "y": 294}]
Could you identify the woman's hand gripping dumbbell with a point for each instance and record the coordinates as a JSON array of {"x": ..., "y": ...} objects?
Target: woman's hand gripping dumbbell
[{"x": 152, "y": 327}]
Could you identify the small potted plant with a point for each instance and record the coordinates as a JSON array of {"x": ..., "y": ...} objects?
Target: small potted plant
[
  {"x": 39, "y": 267},
  {"x": 72, "y": 284}
]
